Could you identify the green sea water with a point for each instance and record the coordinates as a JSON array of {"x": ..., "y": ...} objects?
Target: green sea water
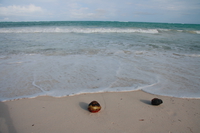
[{"x": 173, "y": 26}]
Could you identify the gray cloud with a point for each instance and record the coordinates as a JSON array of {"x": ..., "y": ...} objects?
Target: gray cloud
[{"x": 16, "y": 10}]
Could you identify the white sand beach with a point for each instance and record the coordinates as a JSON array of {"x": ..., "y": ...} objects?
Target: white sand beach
[{"x": 122, "y": 112}]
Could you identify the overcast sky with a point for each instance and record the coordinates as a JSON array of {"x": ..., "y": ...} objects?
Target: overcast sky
[{"x": 170, "y": 11}]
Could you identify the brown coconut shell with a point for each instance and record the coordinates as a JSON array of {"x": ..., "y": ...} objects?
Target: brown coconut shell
[{"x": 94, "y": 107}]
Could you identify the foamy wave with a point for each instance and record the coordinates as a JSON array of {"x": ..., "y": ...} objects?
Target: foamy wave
[
  {"x": 189, "y": 55},
  {"x": 90, "y": 30},
  {"x": 193, "y": 55},
  {"x": 184, "y": 31},
  {"x": 77, "y": 30},
  {"x": 198, "y": 31}
]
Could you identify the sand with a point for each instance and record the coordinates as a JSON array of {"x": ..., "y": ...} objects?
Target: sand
[{"x": 122, "y": 112}]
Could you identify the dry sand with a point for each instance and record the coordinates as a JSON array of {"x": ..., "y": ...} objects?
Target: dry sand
[{"x": 122, "y": 112}]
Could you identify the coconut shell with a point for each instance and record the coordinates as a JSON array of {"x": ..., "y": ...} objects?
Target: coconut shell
[
  {"x": 94, "y": 107},
  {"x": 156, "y": 101}
]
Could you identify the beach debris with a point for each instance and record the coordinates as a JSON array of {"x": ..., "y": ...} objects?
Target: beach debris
[
  {"x": 94, "y": 107},
  {"x": 156, "y": 101}
]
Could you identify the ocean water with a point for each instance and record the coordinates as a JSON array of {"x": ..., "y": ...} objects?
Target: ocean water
[{"x": 69, "y": 58}]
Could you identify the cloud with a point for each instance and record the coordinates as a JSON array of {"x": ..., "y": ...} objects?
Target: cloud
[
  {"x": 84, "y": 11},
  {"x": 119, "y": 10},
  {"x": 16, "y": 10},
  {"x": 144, "y": 13}
]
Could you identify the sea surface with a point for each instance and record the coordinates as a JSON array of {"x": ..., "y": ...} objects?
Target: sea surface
[{"x": 73, "y": 57}]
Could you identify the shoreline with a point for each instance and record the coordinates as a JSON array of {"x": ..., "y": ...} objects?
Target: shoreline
[
  {"x": 121, "y": 112},
  {"x": 71, "y": 95}
]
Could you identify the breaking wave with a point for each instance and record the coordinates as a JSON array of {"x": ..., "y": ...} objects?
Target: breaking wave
[
  {"x": 76, "y": 30},
  {"x": 90, "y": 30}
]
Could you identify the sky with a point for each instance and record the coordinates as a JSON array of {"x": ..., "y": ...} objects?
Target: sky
[{"x": 167, "y": 11}]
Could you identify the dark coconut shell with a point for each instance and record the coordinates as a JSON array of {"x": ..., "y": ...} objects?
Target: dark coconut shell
[
  {"x": 94, "y": 107},
  {"x": 156, "y": 101}
]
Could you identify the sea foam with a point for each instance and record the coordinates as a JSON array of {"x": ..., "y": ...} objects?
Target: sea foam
[
  {"x": 35, "y": 75},
  {"x": 76, "y": 30},
  {"x": 69, "y": 58}
]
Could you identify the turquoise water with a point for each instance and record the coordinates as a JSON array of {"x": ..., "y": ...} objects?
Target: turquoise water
[
  {"x": 174, "y": 26},
  {"x": 68, "y": 58}
]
